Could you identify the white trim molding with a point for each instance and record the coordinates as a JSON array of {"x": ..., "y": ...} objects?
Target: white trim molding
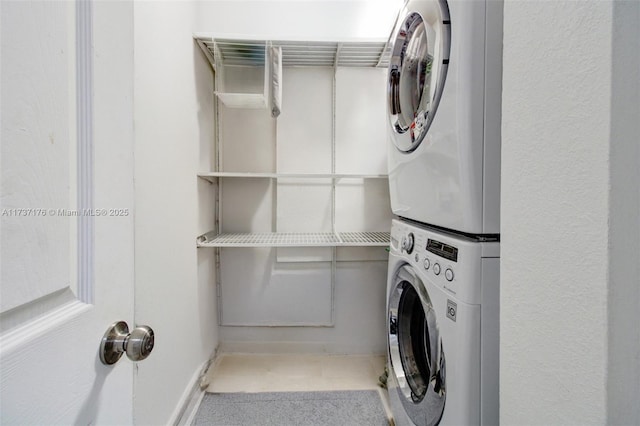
[{"x": 84, "y": 93}]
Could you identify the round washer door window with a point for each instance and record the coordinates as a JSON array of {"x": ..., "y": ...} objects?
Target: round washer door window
[
  {"x": 417, "y": 72},
  {"x": 415, "y": 350}
]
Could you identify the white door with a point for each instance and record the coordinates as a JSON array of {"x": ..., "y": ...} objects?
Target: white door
[{"x": 66, "y": 200}]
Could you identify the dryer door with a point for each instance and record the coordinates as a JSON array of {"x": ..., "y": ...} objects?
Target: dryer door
[
  {"x": 415, "y": 349},
  {"x": 417, "y": 70}
]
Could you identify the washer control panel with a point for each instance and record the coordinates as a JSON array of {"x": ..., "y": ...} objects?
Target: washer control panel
[
  {"x": 436, "y": 258},
  {"x": 446, "y": 251},
  {"x": 459, "y": 266}
]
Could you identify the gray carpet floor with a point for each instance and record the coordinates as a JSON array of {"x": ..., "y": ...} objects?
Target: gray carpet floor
[{"x": 336, "y": 408}]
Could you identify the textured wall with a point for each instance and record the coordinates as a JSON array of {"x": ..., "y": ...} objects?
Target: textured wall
[
  {"x": 555, "y": 216},
  {"x": 624, "y": 254}
]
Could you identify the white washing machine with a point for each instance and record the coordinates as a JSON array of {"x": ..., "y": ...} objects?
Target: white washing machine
[
  {"x": 444, "y": 101},
  {"x": 443, "y": 327}
]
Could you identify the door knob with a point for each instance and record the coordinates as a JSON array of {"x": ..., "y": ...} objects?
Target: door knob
[{"x": 117, "y": 341}]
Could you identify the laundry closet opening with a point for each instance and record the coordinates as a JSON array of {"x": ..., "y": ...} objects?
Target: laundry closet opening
[{"x": 298, "y": 193}]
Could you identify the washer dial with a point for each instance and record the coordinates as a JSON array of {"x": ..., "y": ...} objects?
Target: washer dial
[
  {"x": 448, "y": 274},
  {"x": 407, "y": 243}
]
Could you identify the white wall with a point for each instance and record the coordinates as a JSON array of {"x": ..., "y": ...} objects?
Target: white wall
[
  {"x": 570, "y": 196},
  {"x": 359, "y": 318},
  {"x": 285, "y": 287},
  {"x": 327, "y": 19},
  {"x": 175, "y": 292}
]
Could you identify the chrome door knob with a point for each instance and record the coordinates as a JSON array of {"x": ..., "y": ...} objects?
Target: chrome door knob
[
  {"x": 117, "y": 341},
  {"x": 140, "y": 343}
]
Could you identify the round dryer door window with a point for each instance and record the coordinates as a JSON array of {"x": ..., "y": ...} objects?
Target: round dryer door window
[
  {"x": 417, "y": 71},
  {"x": 415, "y": 350}
]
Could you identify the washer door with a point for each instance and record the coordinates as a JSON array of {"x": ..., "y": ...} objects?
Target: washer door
[
  {"x": 417, "y": 71},
  {"x": 415, "y": 349}
]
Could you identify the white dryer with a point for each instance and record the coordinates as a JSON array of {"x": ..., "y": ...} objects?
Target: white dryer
[
  {"x": 444, "y": 100},
  {"x": 443, "y": 327}
]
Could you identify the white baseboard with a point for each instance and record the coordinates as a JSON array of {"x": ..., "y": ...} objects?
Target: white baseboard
[
  {"x": 284, "y": 347},
  {"x": 191, "y": 398}
]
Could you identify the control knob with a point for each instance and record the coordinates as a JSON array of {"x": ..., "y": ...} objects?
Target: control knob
[
  {"x": 448, "y": 274},
  {"x": 407, "y": 243},
  {"x": 427, "y": 264},
  {"x": 436, "y": 268}
]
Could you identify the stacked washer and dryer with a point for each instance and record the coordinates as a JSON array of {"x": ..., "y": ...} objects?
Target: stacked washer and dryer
[{"x": 444, "y": 100}]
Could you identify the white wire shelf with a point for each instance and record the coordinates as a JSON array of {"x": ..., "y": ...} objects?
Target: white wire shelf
[
  {"x": 310, "y": 53},
  {"x": 288, "y": 239},
  {"x": 243, "y": 100},
  {"x": 211, "y": 176}
]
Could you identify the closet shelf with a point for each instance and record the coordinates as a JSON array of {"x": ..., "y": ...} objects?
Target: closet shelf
[
  {"x": 243, "y": 100},
  {"x": 287, "y": 239},
  {"x": 318, "y": 53},
  {"x": 211, "y": 176}
]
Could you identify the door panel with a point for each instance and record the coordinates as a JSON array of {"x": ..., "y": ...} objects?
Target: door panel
[
  {"x": 67, "y": 219},
  {"x": 38, "y": 139}
]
